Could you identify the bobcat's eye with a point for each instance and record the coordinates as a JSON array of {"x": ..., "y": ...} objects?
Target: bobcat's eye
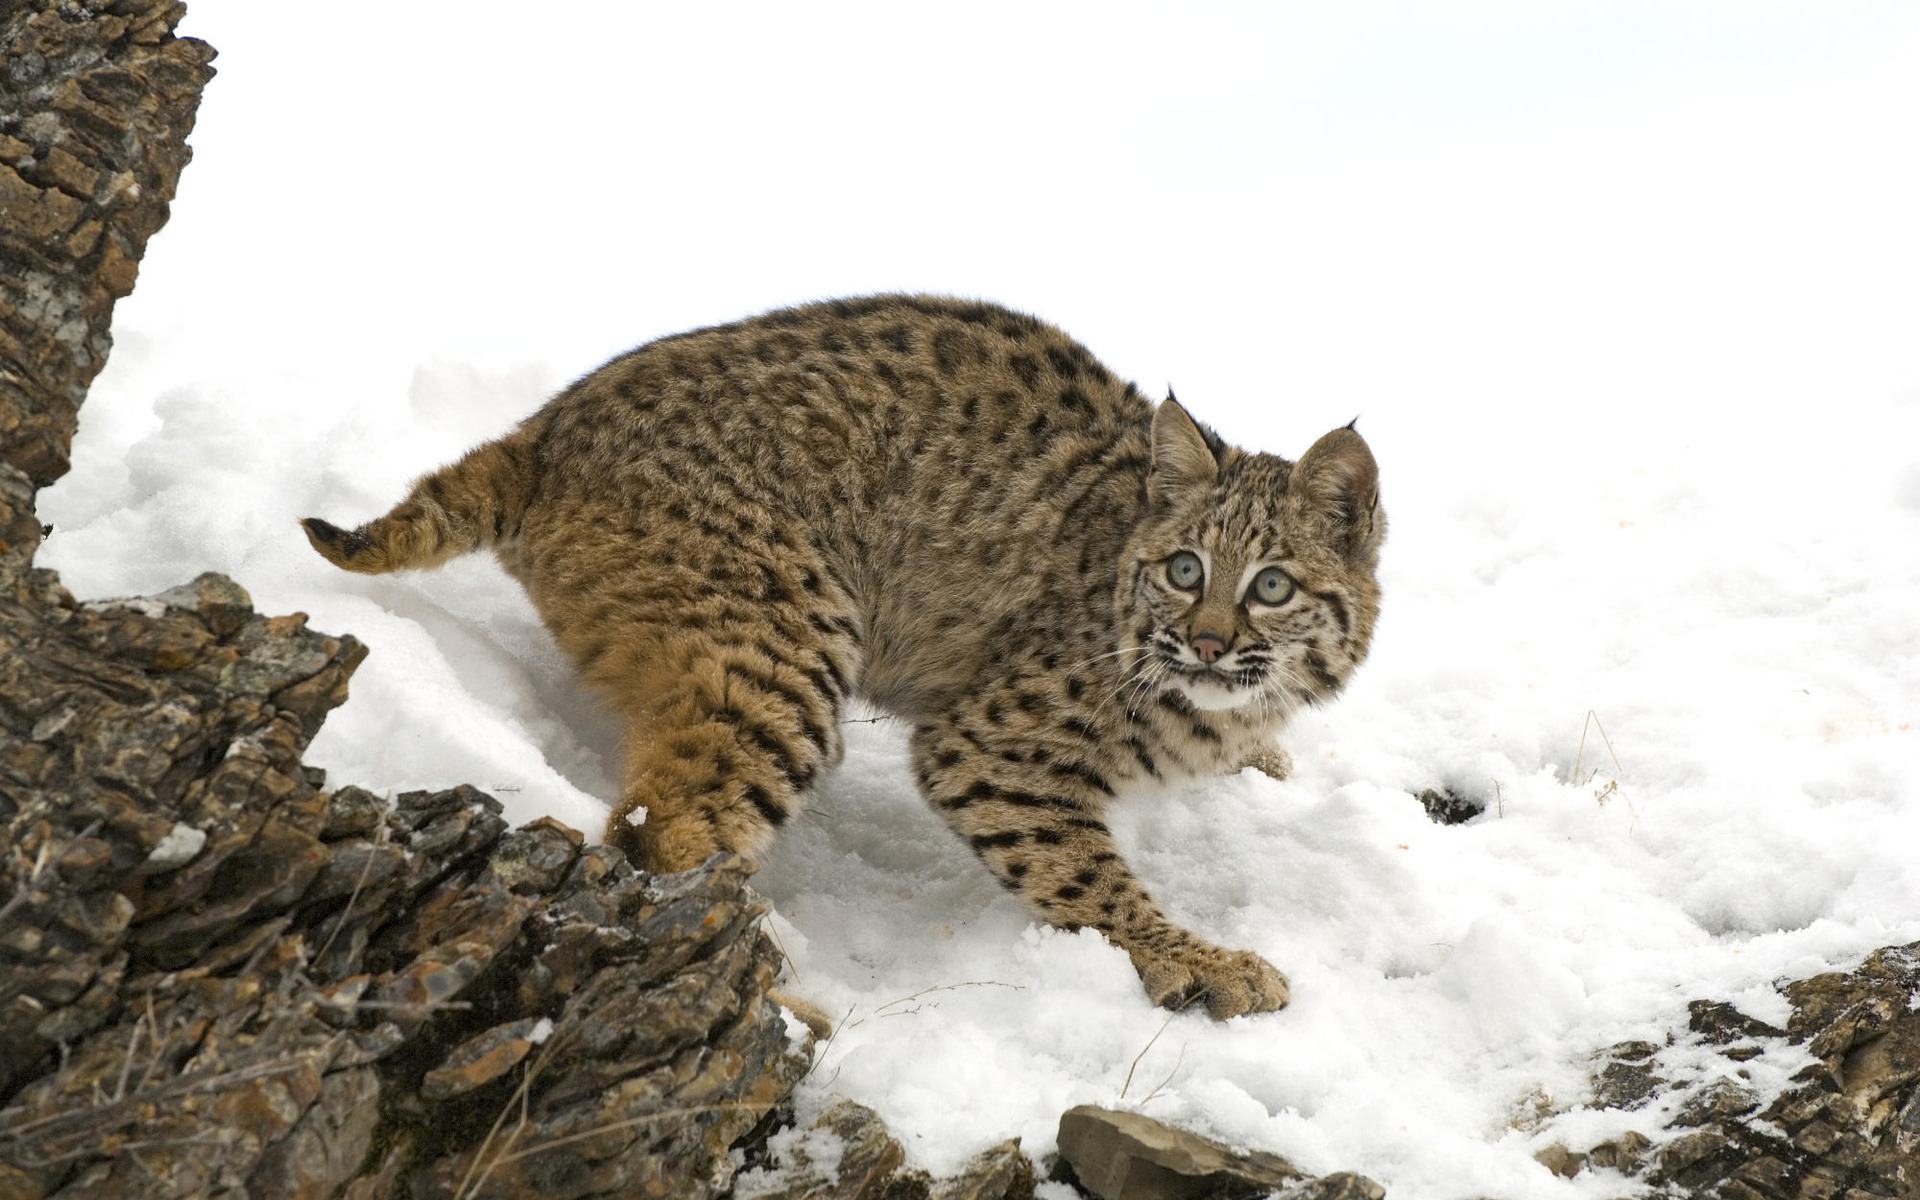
[
  {"x": 1184, "y": 570},
  {"x": 1271, "y": 586}
]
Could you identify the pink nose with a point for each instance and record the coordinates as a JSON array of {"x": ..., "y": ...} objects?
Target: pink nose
[{"x": 1209, "y": 647}]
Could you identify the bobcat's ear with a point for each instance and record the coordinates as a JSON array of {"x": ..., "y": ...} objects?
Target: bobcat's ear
[
  {"x": 1182, "y": 459},
  {"x": 1336, "y": 487}
]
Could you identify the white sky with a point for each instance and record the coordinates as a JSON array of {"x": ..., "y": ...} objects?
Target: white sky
[{"x": 1292, "y": 212}]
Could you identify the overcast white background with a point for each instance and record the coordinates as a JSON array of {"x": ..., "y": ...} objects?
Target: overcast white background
[{"x": 1626, "y": 296}]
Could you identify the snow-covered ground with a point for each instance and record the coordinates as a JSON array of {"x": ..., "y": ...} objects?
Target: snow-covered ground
[{"x": 1625, "y": 296}]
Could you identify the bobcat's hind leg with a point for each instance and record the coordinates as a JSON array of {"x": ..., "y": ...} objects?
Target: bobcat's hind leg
[
  {"x": 728, "y": 658},
  {"x": 723, "y": 744}
]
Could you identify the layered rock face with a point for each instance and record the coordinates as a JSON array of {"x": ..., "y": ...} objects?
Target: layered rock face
[
  {"x": 96, "y": 99},
  {"x": 216, "y": 977}
]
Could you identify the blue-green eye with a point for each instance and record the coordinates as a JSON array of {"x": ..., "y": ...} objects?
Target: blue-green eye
[
  {"x": 1184, "y": 570},
  {"x": 1271, "y": 586}
]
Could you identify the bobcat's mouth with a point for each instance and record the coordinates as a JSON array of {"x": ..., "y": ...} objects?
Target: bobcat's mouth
[
  {"x": 1213, "y": 690},
  {"x": 1212, "y": 687}
]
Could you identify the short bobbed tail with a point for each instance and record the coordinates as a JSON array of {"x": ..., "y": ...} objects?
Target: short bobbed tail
[{"x": 469, "y": 505}]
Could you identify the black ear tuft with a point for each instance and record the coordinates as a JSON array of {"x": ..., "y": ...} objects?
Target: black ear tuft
[
  {"x": 1182, "y": 457},
  {"x": 1336, "y": 486}
]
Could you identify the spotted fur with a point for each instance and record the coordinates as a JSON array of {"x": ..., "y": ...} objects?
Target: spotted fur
[{"x": 956, "y": 512}]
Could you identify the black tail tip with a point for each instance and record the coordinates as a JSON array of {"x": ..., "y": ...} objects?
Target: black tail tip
[{"x": 323, "y": 532}]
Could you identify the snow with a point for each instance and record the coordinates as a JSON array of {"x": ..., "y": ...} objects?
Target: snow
[{"x": 1623, "y": 297}]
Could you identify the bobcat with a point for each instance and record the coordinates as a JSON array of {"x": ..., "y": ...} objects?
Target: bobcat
[{"x": 955, "y": 512}]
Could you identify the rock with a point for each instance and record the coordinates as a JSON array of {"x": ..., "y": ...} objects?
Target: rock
[
  {"x": 1126, "y": 1156},
  {"x": 1341, "y": 1185},
  {"x": 217, "y": 978},
  {"x": 1444, "y": 807},
  {"x": 845, "y": 1155},
  {"x": 1624, "y": 1154},
  {"x": 999, "y": 1172},
  {"x": 258, "y": 983},
  {"x": 1626, "y": 1077},
  {"x": 1561, "y": 1161},
  {"x": 1722, "y": 1024},
  {"x": 95, "y": 107},
  {"x": 1719, "y": 1101},
  {"x": 1848, "y": 1126}
]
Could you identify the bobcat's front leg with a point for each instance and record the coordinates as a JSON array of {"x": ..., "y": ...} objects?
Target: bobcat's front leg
[{"x": 1029, "y": 806}]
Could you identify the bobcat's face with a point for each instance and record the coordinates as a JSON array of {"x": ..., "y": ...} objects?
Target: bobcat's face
[{"x": 1251, "y": 585}]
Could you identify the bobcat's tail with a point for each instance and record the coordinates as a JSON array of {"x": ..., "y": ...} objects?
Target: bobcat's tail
[{"x": 459, "y": 508}]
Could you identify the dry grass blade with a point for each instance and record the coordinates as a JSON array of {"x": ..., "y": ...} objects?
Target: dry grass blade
[
  {"x": 767, "y": 924},
  {"x": 1593, "y": 720},
  {"x": 353, "y": 897},
  {"x": 631, "y": 1123},
  {"x": 821, "y": 1055},
  {"x": 99, "y": 1118},
  {"x": 944, "y": 987},
  {"x": 1177, "y": 1060},
  {"x": 469, "y": 1185},
  {"x": 1132, "y": 1066}
]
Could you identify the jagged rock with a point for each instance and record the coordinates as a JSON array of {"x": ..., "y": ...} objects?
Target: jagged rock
[
  {"x": 1848, "y": 1126},
  {"x": 214, "y": 974},
  {"x": 845, "y": 1155},
  {"x": 96, "y": 101},
  {"x": 1626, "y": 1077},
  {"x": 1001, "y": 1172},
  {"x": 1722, "y": 1024},
  {"x": 217, "y": 978},
  {"x": 1126, "y": 1156}
]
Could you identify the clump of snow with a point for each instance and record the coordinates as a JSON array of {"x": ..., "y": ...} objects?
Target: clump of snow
[
  {"x": 1633, "y": 347},
  {"x": 177, "y": 848}
]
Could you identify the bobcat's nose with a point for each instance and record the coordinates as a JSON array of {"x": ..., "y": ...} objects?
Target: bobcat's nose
[{"x": 1209, "y": 646}]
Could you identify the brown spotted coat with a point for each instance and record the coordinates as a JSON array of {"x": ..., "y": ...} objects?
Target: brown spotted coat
[{"x": 955, "y": 512}]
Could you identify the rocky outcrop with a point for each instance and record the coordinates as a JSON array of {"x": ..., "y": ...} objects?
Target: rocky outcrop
[
  {"x": 216, "y": 975},
  {"x": 1847, "y": 1126},
  {"x": 96, "y": 100}
]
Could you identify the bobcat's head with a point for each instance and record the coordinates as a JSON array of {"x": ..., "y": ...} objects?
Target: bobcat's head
[{"x": 1251, "y": 580}]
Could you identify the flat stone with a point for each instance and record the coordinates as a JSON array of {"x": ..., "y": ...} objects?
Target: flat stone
[
  {"x": 480, "y": 1060},
  {"x": 1126, "y": 1156}
]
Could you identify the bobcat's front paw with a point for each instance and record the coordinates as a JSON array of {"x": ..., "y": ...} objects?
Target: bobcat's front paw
[
  {"x": 1231, "y": 982},
  {"x": 1270, "y": 761}
]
